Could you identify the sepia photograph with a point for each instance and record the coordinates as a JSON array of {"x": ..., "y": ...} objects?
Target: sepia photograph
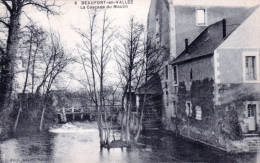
[{"x": 129, "y": 81}]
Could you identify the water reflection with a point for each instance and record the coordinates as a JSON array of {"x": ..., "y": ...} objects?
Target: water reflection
[
  {"x": 28, "y": 148},
  {"x": 79, "y": 142}
]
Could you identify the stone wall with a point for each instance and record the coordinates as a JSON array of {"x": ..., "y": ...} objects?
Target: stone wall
[
  {"x": 207, "y": 129},
  {"x": 237, "y": 96},
  {"x": 218, "y": 127},
  {"x": 211, "y": 124}
]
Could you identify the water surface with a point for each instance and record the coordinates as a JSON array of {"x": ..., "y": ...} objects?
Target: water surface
[{"x": 79, "y": 143}]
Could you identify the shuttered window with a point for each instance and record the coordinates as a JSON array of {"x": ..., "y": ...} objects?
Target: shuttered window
[
  {"x": 198, "y": 113},
  {"x": 175, "y": 75},
  {"x": 166, "y": 72},
  {"x": 188, "y": 108},
  {"x": 167, "y": 98},
  {"x": 250, "y": 68}
]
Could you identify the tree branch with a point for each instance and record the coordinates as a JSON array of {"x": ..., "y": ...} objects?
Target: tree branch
[
  {"x": 7, "y": 5},
  {"x": 43, "y": 6},
  {"x": 6, "y": 24}
]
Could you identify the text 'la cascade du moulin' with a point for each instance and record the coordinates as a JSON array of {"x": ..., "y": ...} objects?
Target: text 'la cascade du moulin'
[{"x": 105, "y": 2}]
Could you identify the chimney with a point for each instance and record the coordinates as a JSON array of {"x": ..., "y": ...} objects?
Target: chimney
[
  {"x": 224, "y": 28},
  {"x": 186, "y": 45}
]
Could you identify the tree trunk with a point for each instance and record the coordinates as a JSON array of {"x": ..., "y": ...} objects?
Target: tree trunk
[
  {"x": 33, "y": 68},
  {"x": 25, "y": 85},
  {"x": 127, "y": 130},
  {"x": 100, "y": 127},
  {"x": 123, "y": 114},
  {"x": 140, "y": 120},
  {"x": 8, "y": 61},
  {"x": 129, "y": 103},
  {"x": 17, "y": 118},
  {"x": 28, "y": 65},
  {"x": 42, "y": 116}
]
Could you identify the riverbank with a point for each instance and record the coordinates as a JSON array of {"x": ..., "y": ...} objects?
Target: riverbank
[
  {"x": 6, "y": 123},
  {"x": 79, "y": 142},
  {"x": 29, "y": 120}
]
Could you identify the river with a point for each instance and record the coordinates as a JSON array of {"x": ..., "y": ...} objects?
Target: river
[{"x": 78, "y": 142}]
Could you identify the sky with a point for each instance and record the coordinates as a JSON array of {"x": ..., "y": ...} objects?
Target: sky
[{"x": 72, "y": 15}]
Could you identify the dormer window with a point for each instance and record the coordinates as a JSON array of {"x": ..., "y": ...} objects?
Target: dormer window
[{"x": 201, "y": 17}]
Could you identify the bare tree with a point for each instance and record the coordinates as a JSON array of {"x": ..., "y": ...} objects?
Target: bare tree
[
  {"x": 130, "y": 60},
  {"x": 138, "y": 58},
  {"x": 95, "y": 55},
  {"x": 51, "y": 62},
  {"x": 56, "y": 60},
  {"x": 11, "y": 21},
  {"x": 154, "y": 54},
  {"x": 31, "y": 45}
]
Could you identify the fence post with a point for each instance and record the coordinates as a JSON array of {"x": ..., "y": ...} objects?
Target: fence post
[
  {"x": 64, "y": 115},
  {"x": 81, "y": 115},
  {"x": 73, "y": 114}
]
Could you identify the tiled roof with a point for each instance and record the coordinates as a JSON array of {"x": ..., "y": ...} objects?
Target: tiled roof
[{"x": 204, "y": 44}]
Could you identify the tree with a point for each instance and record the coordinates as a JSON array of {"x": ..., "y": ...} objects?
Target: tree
[
  {"x": 30, "y": 48},
  {"x": 95, "y": 55},
  {"x": 138, "y": 58},
  {"x": 154, "y": 57},
  {"x": 130, "y": 62},
  {"x": 51, "y": 58},
  {"x": 56, "y": 59},
  {"x": 11, "y": 20}
]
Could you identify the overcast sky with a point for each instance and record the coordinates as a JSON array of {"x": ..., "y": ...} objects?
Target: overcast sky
[{"x": 71, "y": 15}]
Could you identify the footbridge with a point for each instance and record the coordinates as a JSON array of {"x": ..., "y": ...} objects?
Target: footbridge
[{"x": 86, "y": 113}]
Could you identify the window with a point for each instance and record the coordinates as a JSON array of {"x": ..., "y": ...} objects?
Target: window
[
  {"x": 174, "y": 109},
  {"x": 251, "y": 108},
  {"x": 167, "y": 98},
  {"x": 201, "y": 17},
  {"x": 175, "y": 75},
  {"x": 198, "y": 113},
  {"x": 188, "y": 108},
  {"x": 166, "y": 72},
  {"x": 191, "y": 75},
  {"x": 251, "y": 66}
]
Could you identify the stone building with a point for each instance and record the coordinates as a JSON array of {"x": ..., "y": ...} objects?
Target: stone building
[{"x": 211, "y": 77}]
